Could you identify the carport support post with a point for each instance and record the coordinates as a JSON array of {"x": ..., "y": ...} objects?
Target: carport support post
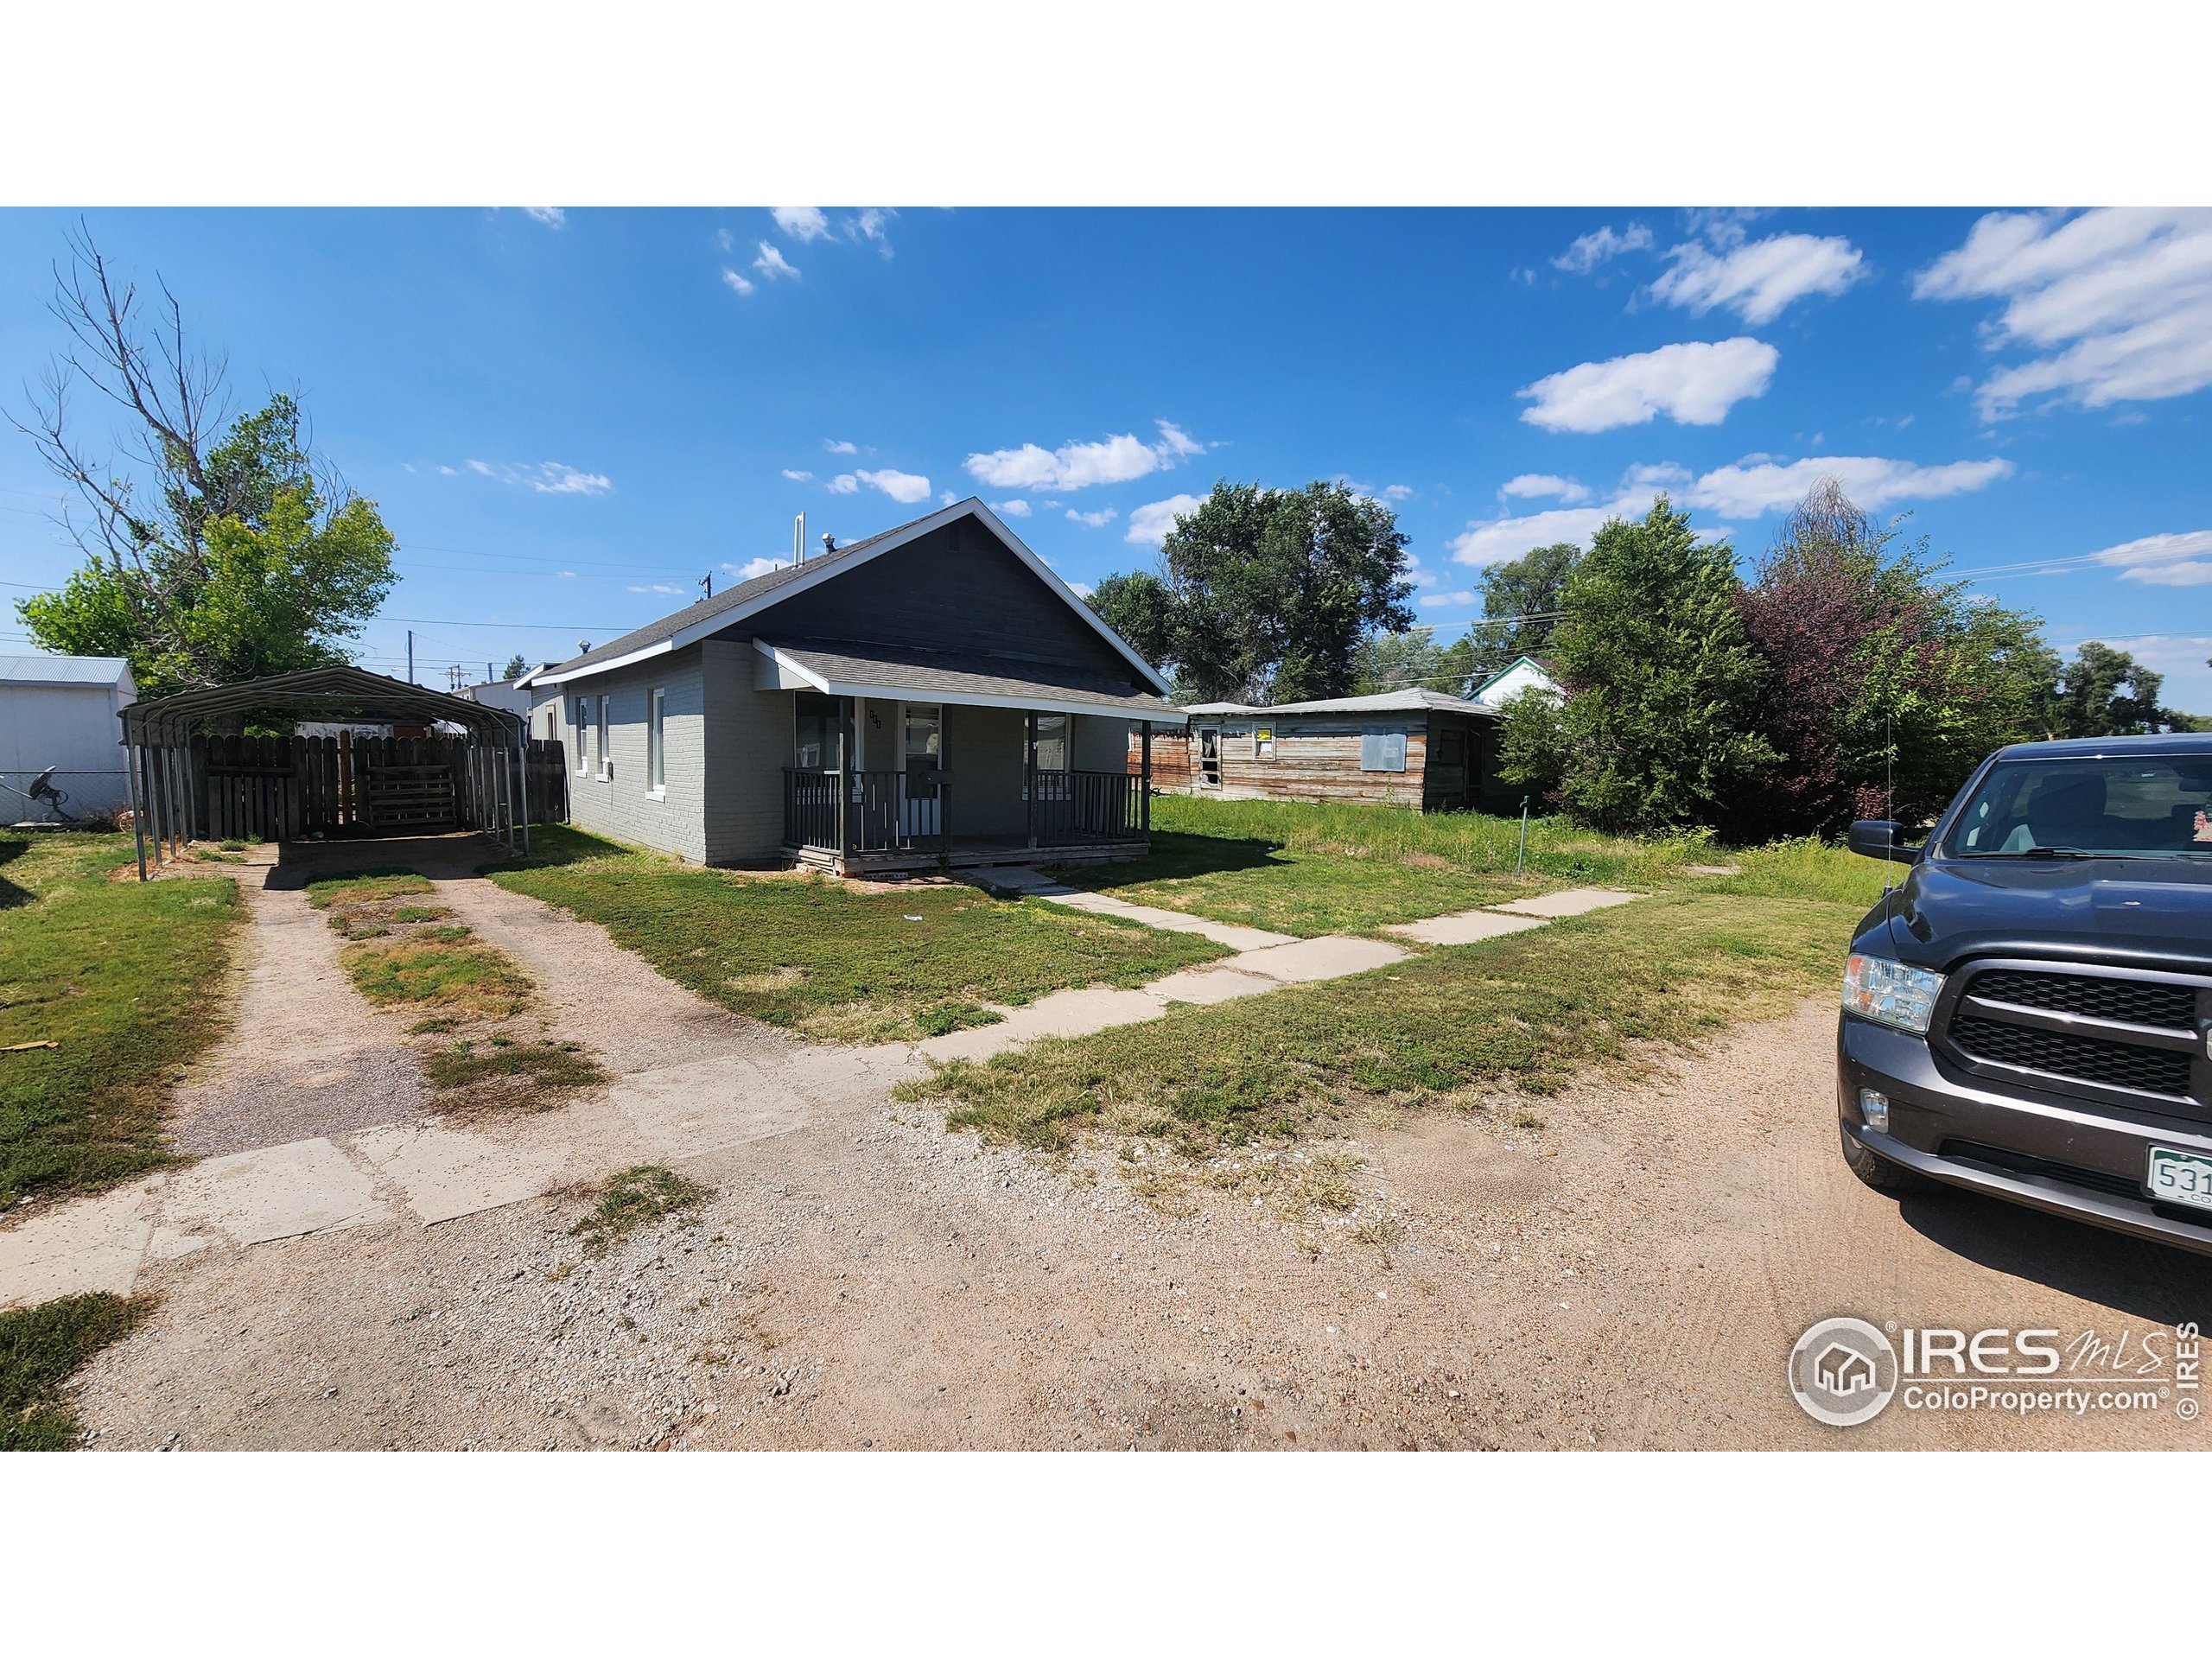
[
  {"x": 1144, "y": 780},
  {"x": 134, "y": 759},
  {"x": 522, "y": 770}
]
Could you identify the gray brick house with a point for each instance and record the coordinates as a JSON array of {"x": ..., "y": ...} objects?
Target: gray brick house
[{"x": 931, "y": 695}]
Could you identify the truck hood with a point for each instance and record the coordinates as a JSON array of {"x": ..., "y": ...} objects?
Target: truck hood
[{"x": 2151, "y": 911}]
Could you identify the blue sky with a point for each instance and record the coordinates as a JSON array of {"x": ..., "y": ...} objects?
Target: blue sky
[{"x": 568, "y": 417}]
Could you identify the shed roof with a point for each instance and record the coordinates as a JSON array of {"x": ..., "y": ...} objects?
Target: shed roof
[
  {"x": 1413, "y": 699},
  {"x": 846, "y": 669},
  {"x": 48, "y": 668}
]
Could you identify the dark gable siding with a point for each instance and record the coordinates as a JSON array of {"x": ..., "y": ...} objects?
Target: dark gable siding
[{"x": 956, "y": 589}]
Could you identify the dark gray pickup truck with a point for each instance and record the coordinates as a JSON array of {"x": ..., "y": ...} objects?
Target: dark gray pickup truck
[{"x": 2028, "y": 1013}]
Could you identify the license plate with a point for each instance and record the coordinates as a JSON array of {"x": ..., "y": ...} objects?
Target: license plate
[{"x": 2181, "y": 1178}]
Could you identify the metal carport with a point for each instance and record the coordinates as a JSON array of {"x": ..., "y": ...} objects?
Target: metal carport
[{"x": 157, "y": 732}]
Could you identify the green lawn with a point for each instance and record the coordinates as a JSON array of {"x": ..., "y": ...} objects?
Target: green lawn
[
  {"x": 124, "y": 979},
  {"x": 1531, "y": 1008},
  {"x": 1308, "y": 869},
  {"x": 40, "y": 1348},
  {"x": 833, "y": 961}
]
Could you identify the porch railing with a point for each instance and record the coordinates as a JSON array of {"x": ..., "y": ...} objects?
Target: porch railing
[
  {"x": 864, "y": 811},
  {"x": 1070, "y": 805}
]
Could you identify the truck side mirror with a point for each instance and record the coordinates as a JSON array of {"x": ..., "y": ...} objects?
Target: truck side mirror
[{"x": 1878, "y": 838}]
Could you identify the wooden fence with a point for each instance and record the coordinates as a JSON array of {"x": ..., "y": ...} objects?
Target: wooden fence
[{"x": 285, "y": 788}]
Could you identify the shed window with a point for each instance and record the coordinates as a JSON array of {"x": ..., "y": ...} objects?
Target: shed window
[
  {"x": 657, "y": 739},
  {"x": 1263, "y": 743},
  {"x": 1383, "y": 752}
]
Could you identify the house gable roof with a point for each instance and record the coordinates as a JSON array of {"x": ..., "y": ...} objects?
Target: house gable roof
[
  {"x": 710, "y": 616},
  {"x": 1536, "y": 664}
]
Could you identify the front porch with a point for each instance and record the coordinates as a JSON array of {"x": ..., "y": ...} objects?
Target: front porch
[{"x": 894, "y": 823}]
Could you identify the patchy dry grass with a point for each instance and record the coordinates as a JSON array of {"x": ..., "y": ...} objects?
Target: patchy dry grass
[
  {"x": 1523, "y": 1012},
  {"x": 625, "y": 1202},
  {"x": 467, "y": 980},
  {"x": 40, "y": 1348},
  {"x": 536, "y": 1068},
  {"x": 365, "y": 887},
  {"x": 123, "y": 979},
  {"x": 833, "y": 961}
]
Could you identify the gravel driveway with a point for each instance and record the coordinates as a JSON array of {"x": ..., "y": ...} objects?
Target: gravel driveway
[{"x": 1632, "y": 1274}]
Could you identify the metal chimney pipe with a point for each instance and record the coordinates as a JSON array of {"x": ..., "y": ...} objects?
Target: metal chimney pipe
[{"x": 798, "y": 540}]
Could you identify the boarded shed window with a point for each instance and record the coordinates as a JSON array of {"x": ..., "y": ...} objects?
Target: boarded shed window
[{"x": 1383, "y": 752}]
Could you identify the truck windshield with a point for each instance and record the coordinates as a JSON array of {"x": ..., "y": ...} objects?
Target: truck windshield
[{"x": 2154, "y": 806}]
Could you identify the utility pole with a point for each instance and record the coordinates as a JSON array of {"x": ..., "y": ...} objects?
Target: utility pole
[
  {"x": 411, "y": 656},
  {"x": 707, "y": 582}
]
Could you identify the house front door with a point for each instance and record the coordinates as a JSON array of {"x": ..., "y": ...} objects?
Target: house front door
[{"x": 922, "y": 749}]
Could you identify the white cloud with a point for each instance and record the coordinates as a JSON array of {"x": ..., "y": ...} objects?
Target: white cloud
[
  {"x": 752, "y": 568},
  {"x": 557, "y": 218},
  {"x": 659, "y": 588},
  {"x": 772, "y": 265},
  {"x": 844, "y": 484},
  {"x": 2183, "y": 560},
  {"x": 1587, "y": 252},
  {"x": 449, "y": 472},
  {"x": 869, "y": 225},
  {"x": 2120, "y": 298},
  {"x": 946, "y": 497},
  {"x": 724, "y": 241},
  {"x": 797, "y": 477},
  {"x": 1016, "y": 508},
  {"x": 564, "y": 573},
  {"x": 1694, "y": 382},
  {"x": 807, "y": 224},
  {"x": 840, "y": 446},
  {"x": 1545, "y": 484},
  {"x": 737, "y": 281},
  {"x": 1074, "y": 465},
  {"x": 1082, "y": 589},
  {"x": 1747, "y": 489},
  {"x": 1097, "y": 520},
  {"x": 546, "y": 477},
  {"x": 1756, "y": 485},
  {"x": 1396, "y": 491},
  {"x": 1457, "y": 596},
  {"x": 908, "y": 487},
  {"x": 1150, "y": 523},
  {"x": 1758, "y": 280}
]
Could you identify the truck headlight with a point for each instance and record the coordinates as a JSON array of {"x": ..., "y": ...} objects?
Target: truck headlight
[{"x": 1891, "y": 994}]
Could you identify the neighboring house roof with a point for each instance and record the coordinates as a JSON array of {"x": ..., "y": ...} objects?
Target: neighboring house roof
[
  {"x": 844, "y": 668},
  {"x": 1535, "y": 665},
  {"x": 41, "y": 668},
  {"x": 1412, "y": 700},
  {"x": 696, "y": 622}
]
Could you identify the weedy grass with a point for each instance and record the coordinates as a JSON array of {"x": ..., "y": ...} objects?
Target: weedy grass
[
  {"x": 365, "y": 887},
  {"x": 40, "y": 1348},
  {"x": 122, "y": 977},
  {"x": 452, "y": 977},
  {"x": 1523, "y": 1012},
  {"x": 830, "y": 960},
  {"x": 626, "y": 1201},
  {"x": 541, "y": 1067}
]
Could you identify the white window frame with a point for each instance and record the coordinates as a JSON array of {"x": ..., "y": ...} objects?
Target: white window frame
[
  {"x": 584, "y": 730},
  {"x": 657, "y": 742},
  {"x": 605, "y": 749}
]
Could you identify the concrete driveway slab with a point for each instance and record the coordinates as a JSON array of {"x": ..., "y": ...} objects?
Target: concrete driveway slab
[
  {"x": 1464, "y": 928},
  {"x": 1064, "y": 1013},
  {"x": 1571, "y": 901},
  {"x": 94, "y": 1244},
  {"x": 303, "y": 1186},
  {"x": 448, "y": 1173},
  {"x": 710, "y": 1104},
  {"x": 1332, "y": 958}
]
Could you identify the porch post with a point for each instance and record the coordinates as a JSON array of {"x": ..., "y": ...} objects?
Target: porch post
[
  {"x": 945, "y": 785},
  {"x": 1144, "y": 783},
  {"x": 1029, "y": 777},
  {"x": 847, "y": 750}
]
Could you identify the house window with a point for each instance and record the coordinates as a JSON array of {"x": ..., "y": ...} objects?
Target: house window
[
  {"x": 584, "y": 729},
  {"x": 818, "y": 718},
  {"x": 923, "y": 743},
  {"x": 656, "y": 739},
  {"x": 606, "y": 755},
  {"x": 1052, "y": 753}
]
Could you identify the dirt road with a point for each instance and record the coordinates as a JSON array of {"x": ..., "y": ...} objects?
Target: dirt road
[{"x": 1631, "y": 1274}]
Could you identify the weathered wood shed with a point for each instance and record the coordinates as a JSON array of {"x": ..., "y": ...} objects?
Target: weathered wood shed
[{"x": 1415, "y": 747}]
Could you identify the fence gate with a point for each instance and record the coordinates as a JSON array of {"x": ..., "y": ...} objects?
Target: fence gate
[{"x": 284, "y": 788}]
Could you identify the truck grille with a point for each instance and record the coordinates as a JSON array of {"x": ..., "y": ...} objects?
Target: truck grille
[
  {"x": 2139, "y": 1002},
  {"x": 2117, "y": 1065},
  {"x": 2109, "y": 1033}
]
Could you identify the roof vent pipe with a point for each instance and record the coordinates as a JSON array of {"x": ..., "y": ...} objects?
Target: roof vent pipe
[
  {"x": 798, "y": 540},
  {"x": 829, "y": 543}
]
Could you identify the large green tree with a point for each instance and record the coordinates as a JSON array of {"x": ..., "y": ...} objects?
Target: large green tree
[
  {"x": 1660, "y": 680},
  {"x": 1520, "y": 606},
  {"x": 215, "y": 549},
  {"x": 2105, "y": 692},
  {"x": 1265, "y": 595}
]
